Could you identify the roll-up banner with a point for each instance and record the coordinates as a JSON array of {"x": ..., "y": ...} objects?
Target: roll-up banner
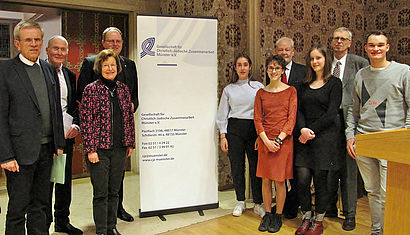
[{"x": 177, "y": 72}]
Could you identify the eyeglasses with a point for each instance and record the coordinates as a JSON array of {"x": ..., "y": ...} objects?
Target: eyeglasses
[
  {"x": 271, "y": 68},
  {"x": 340, "y": 38},
  {"x": 114, "y": 41},
  {"x": 31, "y": 40},
  {"x": 109, "y": 66}
]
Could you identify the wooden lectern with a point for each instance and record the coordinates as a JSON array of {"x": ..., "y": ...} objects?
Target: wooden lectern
[{"x": 394, "y": 146}]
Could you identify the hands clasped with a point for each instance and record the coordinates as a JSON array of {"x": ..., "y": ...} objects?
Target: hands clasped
[{"x": 306, "y": 134}]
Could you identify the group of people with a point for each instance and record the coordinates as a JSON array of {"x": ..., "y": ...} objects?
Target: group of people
[
  {"x": 301, "y": 127},
  {"x": 40, "y": 117}
]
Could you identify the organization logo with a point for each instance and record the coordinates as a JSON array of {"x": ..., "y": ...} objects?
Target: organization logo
[{"x": 147, "y": 46}]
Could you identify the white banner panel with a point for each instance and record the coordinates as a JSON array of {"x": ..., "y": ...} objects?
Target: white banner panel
[{"x": 177, "y": 72}]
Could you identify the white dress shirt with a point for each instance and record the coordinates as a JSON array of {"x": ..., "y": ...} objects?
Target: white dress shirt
[
  {"x": 342, "y": 65},
  {"x": 287, "y": 71}
]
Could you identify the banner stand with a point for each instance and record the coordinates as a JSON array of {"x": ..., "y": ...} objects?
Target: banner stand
[
  {"x": 177, "y": 140},
  {"x": 161, "y": 213}
]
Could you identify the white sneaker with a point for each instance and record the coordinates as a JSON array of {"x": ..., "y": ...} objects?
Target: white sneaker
[
  {"x": 259, "y": 209},
  {"x": 239, "y": 208}
]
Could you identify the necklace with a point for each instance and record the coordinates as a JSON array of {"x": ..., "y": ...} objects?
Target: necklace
[{"x": 111, "y": 92}]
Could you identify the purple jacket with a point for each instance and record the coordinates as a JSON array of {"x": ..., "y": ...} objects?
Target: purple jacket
[{"x": 95, "y": 116}]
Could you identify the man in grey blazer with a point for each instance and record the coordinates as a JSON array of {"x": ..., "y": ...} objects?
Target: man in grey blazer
[
  {"x": 31, "y": 130},
  {"x": 345, "y": 66}
]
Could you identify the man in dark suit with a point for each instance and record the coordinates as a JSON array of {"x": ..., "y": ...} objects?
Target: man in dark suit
[
  {"x": 345, "y": 66},
  {"x": 57, "y": 51},
  {"x": 112, "y": 39},
  {"x": 31, "y": 130},
  {"x": 295, "y": 75}
]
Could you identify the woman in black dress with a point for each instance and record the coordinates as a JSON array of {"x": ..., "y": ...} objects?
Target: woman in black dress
[{"x": 319, "y": 100}]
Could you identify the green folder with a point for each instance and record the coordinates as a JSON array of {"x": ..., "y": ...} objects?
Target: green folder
[{"x": 58, "y": 169}]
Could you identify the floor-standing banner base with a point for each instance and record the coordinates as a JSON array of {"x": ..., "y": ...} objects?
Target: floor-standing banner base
[
  {"x": 178, "y": 210},
  {"x": 177, "y": 72}
]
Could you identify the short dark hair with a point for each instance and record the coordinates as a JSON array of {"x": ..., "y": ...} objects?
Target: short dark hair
[
  {"x": 279, "y": 59},
  {"x": 103, "y": 56},
  {"x": 377, "y": 33},
  {"x": 310, "y": 73}
]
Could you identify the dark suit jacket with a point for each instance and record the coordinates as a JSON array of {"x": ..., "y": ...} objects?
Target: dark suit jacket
[
  {"x": 296, "y": 76},
  {"x": 20, "y": 117},
  {"x": 70, "y": 80},
  {"x": 128, "y": 75},
  {"x": 353, "y": 64},
  {"x": 72, "y": 109}
]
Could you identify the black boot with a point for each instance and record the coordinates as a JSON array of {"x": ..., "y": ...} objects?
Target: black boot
[
  {"x": 266, "y": 220},
  {"x": 276, "y": 223}
]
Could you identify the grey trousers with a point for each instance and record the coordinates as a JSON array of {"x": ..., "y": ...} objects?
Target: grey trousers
[{"x": 374, "y": 174}]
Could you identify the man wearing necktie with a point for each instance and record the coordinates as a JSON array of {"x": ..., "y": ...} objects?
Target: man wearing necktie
[
  {"x": 294, "y": 76},
  {"x": 57, "y": 51},
  {"x": 294, "y": 72},
  {"x": 31, "y": 130},
  {"x": 345, "y": 66},
  {"x": 112, "y": 39}
]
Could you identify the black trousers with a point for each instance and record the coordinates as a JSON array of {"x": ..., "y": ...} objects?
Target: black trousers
[
  {"x": 241, "y": 138},
  {"x": 347, "y": 174},
  {"x": 322, "y": 182},
  {"x": 121, "y": 193},
  {"x": 62, "y": 191},
  {"x": 28, "y": 192},
  {"x": 106, "y": 176},
  {"x": 291, "y": 202}
]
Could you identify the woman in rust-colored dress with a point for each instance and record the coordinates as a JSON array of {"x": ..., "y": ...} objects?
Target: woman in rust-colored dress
[{"x": 275, "y": 117}]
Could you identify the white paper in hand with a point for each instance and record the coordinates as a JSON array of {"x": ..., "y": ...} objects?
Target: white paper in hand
[{"x": 67, "y": 121}]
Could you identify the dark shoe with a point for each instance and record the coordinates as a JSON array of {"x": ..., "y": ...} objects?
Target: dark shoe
[
  {"x": 67, "y": 228},
  {"x": 349, "y": 224},
  {"x": 315, "y": 228},
  {"x": 303, "y": 228},
  {"x": 276, "y": 223},
  {"x": 123, "y": 215},
  {"x": 263, "y": 226},
  {"x": 287, "y": 214},
  {"x": 290, "y": 212},
  {"x": 290, "y": 215},
  {"x": 113, "y": 231},
  {"x": 331, "y": 213}
]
